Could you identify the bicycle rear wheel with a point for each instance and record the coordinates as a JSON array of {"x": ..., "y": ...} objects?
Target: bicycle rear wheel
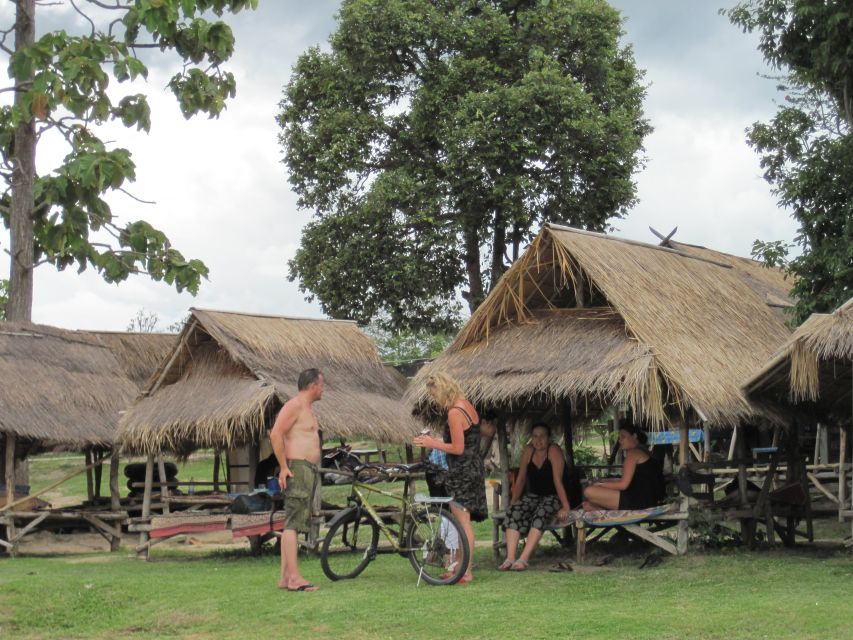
[
  {"x": 349, "y": 545},
  {"x": 437, "y": 545}
]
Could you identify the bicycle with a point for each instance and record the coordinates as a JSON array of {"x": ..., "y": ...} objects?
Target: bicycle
[{"x": 426, "y": 532}]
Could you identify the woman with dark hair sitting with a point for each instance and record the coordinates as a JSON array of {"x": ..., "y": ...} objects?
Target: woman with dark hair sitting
[
  {"x": 641, "y": 485},
  {"x": 540, "y": 477}
]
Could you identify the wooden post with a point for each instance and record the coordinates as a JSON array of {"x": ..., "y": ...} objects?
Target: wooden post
[
  {"x": 747, "y": 525},
  {"x": 580, "y": 530},
  {"x": 146, "y": 504},
  {"x": 683, "y": 533},
  {"x": 842, "y": 472},
  {"x": 706, "y": 453},
  {"x": 253, "y": 463},
  {"x": 164, "y": 488},
  {"x": 733, "y": 444},
  {"x": 10, "y": 468},
  {"x": 410, "y": 454},
  {"x": 99, "y": 472},
  {"x": 611, "y": 440},
  {"x": 683, "y": 442},
  {"x": 115, "y": 496},
  {"x": 10, "y": 486},
  {"x": 568, "y": 435},
  {"x": 503, "y": 454},
  {"x": 216, "y": 463},
  {"x": 90, "y": 491}
]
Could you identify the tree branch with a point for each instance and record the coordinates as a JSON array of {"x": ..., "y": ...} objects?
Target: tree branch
[
  {"x": 103, "y": 5},
  {"x": 130, "y": 195},
  {"x": 85, "y": 17}
]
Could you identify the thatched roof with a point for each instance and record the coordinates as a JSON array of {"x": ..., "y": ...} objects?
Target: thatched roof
[
  {"x": 668, "y": 330},
  {"x": 815, "y": 365},
  {"x": 230, "y": 373},
  {"x": 139, "y": 354},
  {"x": 59, "y": 387}
]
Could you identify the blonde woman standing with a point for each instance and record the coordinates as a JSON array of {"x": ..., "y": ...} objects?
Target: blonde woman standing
[{"x": 465, "y": 475}]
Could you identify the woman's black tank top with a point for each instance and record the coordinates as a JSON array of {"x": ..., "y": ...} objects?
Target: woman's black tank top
[{"x": 540, "y": 480}]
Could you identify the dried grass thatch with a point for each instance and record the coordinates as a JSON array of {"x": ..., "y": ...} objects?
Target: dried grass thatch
[
  {"x": 60, "y": 388},
  {"x": 229, "y": 374},
  {"x": 812, "y": 366},
  {"x": 691, "y": 327},
  {"x": 139, "y": 354}
]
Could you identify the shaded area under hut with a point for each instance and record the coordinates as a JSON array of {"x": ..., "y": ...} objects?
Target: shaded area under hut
[
  {"x": 808, "y": 384},
  {"x": 584, "y": 325},
  {"x": 228, "y": 376},
  {"x": 63, "y": 391}
]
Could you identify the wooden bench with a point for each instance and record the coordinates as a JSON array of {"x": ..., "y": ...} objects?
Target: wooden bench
[
  {"x": 677, "y": 515},
  {"x": 650, "y": 531}
]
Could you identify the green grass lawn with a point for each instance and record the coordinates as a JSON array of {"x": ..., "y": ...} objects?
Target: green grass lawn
[
  {"x": 730, "y": 593},
  {"x": 795, "y": 594}
]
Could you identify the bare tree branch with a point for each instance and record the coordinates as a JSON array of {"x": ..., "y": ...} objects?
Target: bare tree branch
[
  {"x": 130, "y": 195},
  {"x": 85, "y": 17},
  {"x": 117, "y": 5}
]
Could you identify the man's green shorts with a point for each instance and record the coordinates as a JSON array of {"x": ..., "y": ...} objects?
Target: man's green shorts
[{"x": 299, "y": 494}]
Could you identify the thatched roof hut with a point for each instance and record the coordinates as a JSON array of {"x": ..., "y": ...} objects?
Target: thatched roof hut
[
  {"x": 59, "y": 387},
  {"x": 230, "y": 373},
  {"x": 594, "y": 319},
  {"x": 813, "y": 369}
]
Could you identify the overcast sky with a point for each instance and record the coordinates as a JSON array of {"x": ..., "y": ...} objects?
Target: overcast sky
[{"x": 222, "y": 193}]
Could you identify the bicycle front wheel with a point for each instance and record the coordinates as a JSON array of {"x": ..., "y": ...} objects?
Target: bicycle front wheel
[
  {"x": 437, "y": 545},
  {"x": 349, "y": 545}
]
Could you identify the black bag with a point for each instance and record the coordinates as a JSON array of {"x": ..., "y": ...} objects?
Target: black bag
[
  {"x": 251, "y": 503},
  {"x": 435, "y": 478}
]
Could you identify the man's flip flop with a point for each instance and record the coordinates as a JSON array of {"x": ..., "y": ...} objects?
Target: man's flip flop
[
  {"x": 308, "y": 587},
  {"x": 506, "y": 565}
]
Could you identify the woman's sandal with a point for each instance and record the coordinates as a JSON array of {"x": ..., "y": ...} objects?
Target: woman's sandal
[
  {"x": 519, "y": 565},
  {"x": 506, "y": 565}
]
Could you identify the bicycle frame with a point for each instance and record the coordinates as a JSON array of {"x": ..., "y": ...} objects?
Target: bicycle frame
[{"x": 362, "y": 501}]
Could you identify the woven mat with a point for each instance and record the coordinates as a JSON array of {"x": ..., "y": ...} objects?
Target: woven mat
[
  {"x": 173, "y": 524},
  {"x": 256, "y": 524},
  {"x": 616, "y": 517}
]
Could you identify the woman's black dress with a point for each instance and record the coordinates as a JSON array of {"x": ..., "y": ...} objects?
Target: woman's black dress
[{"x": 466, "y": 475}]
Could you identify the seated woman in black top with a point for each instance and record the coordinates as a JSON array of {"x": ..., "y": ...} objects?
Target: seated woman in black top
[
  {"x": 641, "y": 485},
  {"x": 540, "y": 476}
]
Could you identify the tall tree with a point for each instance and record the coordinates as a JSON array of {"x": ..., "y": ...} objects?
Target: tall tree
[
  {"x": 62, "y": 88},
  {"x": 435, "y": 136},
  {"x": 807, "y": 148}
]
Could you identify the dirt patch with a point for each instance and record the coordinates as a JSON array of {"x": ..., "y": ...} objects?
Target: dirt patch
[{"x": 47, "y": 543}]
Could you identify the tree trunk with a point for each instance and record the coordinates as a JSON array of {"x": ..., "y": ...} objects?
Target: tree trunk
[
  {"x": 475, "y": 293},
  {"x": 498, "y": 250},
  {"x": 516, "y": 241},
  {"x": 20, "y": 305}
]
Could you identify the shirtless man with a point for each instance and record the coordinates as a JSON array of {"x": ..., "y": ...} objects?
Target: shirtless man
[{"x": 295, "y": 439}]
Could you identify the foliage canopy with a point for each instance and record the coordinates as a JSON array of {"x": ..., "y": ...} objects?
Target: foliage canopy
[
  {"x": 807, "y": 148},
  {"x": 66, "y": 84},
  {"x": 434, "y": 137}
]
